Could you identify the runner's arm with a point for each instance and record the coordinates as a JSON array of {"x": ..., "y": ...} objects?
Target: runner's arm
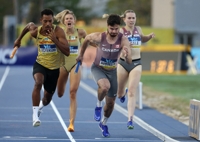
[
  {"x": 60, "y": 40},
  {"x": 126, "y": 51},
  {"x": 145, "y": 38},
  {"x": 30, "y": 27},
  {"x": 91, "y": 38}
]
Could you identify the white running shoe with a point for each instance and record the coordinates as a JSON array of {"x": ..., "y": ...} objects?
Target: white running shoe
[{"x": 36, "y": 123}]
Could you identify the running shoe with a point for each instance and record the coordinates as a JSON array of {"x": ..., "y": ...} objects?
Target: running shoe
[
  {"x": 36, "y": 123},
  {"x": 122, "y": 99},
  {"x": 104, "y": 129},
  {"x": 97, "y": 113},
  {"x": 71, "y": 127},
  {"x": 130, "y": 125}
]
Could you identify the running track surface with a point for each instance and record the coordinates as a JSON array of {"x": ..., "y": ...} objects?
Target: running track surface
[{"x": 16, "y": 85}]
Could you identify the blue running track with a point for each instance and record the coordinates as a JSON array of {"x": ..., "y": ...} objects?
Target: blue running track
[{"x": 16, "y": 85}]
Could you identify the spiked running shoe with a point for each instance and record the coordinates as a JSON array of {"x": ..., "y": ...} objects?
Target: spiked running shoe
[
  {"x": 122, "y": 99},
  {"x": 97, "y": 113},
  {"x": 104, "y": 129},
  {"x": 130, "y": 125}
]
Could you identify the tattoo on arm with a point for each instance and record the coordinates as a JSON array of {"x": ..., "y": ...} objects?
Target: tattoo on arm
[{"x": 96, "y": 43}]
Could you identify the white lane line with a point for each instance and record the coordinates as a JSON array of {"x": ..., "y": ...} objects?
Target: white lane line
[
  {"x": 137, "y": 120},
  {"x": 61, "y": 120},
  {"x": 4, "y": 76}
]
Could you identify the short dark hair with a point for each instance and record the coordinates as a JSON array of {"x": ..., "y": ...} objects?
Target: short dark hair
[
  {"x": 113, "y": 19},
  {"x": 46, "y": 12}
]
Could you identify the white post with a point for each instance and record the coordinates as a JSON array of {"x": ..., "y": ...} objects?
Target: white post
[
  {"x": 139, "y": 96},
  {"x": 194, "y": 121}
]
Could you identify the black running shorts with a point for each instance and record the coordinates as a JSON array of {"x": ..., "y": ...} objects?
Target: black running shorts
[{"x": 50, "y": 77}]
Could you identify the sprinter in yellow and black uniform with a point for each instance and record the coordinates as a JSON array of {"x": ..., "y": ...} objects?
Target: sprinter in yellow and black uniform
[
  {"x": 52, "y": 44},
  {"x": 74, "y": 42},
  {"x": 74, "y": 36}
]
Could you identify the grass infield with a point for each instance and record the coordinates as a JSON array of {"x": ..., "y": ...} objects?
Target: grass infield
[{"x": 181, "y": 87}]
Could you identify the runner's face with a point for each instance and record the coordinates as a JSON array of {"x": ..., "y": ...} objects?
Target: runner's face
[
  {"x": 113, "y": 30},
  {"x": 130, "y": 19},
  {"x": 47, "y": 22},
  {"x": 69, "y": 20}
]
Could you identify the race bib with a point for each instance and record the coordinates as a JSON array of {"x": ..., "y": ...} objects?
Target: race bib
[
  {"x": 135, "y": 40},
  {"x": 108, "y": 63},
  {"x": 48, "y": 48},
  {"x": 73, "y": 50}
]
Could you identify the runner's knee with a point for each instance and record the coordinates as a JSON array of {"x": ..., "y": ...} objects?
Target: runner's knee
[
  {"x": 104, "y": 89},
  {"x": 46, "y": 100},
  {"x": 73, "y": 94},
  {"x": 110, "y": 104},
  {"x": 131, "y": 93},
  {"x": 38, "y": 85}
]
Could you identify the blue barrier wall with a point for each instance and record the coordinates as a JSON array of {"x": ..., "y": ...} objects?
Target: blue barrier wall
[{"x": 23, "y": 56}]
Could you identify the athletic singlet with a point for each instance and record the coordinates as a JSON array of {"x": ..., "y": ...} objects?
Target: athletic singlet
[
  {"x": 134, "y": 39},
  {"x": 107, "y": 54},
  {"x": 74, "y": 42},
  {"x": 49, "y": 55}
]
